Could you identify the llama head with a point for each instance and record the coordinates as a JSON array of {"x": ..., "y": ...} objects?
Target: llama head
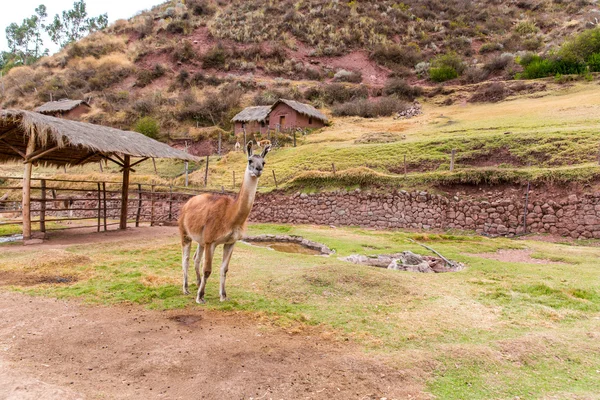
[{"x": 256, "y": 163}]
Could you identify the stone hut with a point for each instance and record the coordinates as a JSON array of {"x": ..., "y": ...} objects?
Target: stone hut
[
  {"x": 68, "y": 109},
  {"x": 253, "y": 119}
]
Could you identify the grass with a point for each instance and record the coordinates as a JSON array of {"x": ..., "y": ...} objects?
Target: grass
[{"x": 494, "y": 330}]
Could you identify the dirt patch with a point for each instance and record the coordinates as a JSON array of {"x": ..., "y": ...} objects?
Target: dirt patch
[
  {"x": 129, "y": 352},
  {"x": 515, "y": 256},
  {"x": 495, "y": 158},
  {"x": 19, "y": 278}
]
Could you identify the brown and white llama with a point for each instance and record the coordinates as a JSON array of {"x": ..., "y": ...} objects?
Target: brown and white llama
[{"x": 211, "y": 220}]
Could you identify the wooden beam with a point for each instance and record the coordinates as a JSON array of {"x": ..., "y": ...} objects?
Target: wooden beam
[
  {"x": 110, "y": 159},
  {"x": 125, "y": 192},
  {"x": 139, "y": 161},
  {"x": 13, "y": 148},
  {"x": 27, "y": 190},
  {"x": 39, "y": 153},
  {"x": 119, "y": 158},
  {"x": 86, "y": 158},
  {"x": 3, "y": 135}
]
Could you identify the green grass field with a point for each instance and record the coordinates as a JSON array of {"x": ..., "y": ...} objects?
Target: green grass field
[{"x": 495, "y": 330}]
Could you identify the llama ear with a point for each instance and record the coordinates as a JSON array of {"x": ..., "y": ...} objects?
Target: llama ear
[
  {"x": 249, "y": 148},
  {"x": 266, "y": 150}
]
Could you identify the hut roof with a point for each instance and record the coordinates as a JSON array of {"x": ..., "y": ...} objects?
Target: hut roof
[
  {"x": 302, "y": 108},
  {"x": 60, "y": 106},
  {"x": 257, "y": 113},
  {"x": 77, "y": 142}
]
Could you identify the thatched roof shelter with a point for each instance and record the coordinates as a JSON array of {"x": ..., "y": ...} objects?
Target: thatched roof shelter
[
  {"x": 74, "y": 143},
  {"x": 34, "y": 138},
  {"x": 258, "y": 113},
  {"x": 60, "y": 106},
  {"x": 302, "y": 108}
]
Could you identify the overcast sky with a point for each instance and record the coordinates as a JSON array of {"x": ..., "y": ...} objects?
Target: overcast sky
[{"x": 17, "y": 10}]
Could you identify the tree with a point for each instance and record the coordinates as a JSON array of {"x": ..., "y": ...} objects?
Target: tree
[
  {"x": 25, "y": 40},
  {"x": 74, "y": 24}
]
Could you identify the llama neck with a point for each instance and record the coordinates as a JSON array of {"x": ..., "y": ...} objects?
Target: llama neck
[{"x": 245, "y": 199}]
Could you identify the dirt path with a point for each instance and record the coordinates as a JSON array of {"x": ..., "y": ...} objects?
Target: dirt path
[{"x": 54, "y": 349}]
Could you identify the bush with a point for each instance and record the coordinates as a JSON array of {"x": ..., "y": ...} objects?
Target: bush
[
  {"x": 216, "y": 57},
  {"x": 145, "y": 77},
  {"x": 401, "y": 89},
  {"x": 364, "y": 108},
  {"x": 348, "y": 76},
  {"x": 200, "y": 7},
  {"x": 179, "y": 27},
  {"x": 498, "y": 63},
  {"x": 147, "y": 126},
  {"x": 539, "y": 67},
  {"x": 526, "y": 28},
  {"x": 184, "y": 52},
  {"x": 492, "y": 92},
  {"x": 475, "y": 75},
  {"x": 490, "y": 47},
  {"x": 393, "y": 55},
  {"x": 582, "y": 47},
  {"x": 442, "y": 74},
  {"x": 593, "y": 62},
  {"x": 339, "y": 93}
]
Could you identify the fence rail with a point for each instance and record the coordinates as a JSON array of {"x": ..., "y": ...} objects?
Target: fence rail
[{"x": 52, "y": 203}]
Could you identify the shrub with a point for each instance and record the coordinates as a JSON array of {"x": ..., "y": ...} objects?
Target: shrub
[
  {"x": 401, "y": 89},
  {"x": 216, "y": 57},
  {"x": 339, "y": 93},
  {"x": 143, "y": 106},
  {"x": 179, "y": 27},
  {"x": 348, "y": 76},
  {"x": 147, "y": 126},
  {"x": 184, "y": 52},
  {"x": 200, "y": 7},
  {"x": 475, "y": 75},
  {"x": 543, "y": 68},
  {"x": 498, "y": 63},
  {"x": 490, "y": 47},
  {"x": 442, "y": 74},
  {"x": 393, "y": 54},
  {"x": 145, "y": 77},
  {"x": 526, "y": 28},
  {"x": 491, "y": 92},
  {"x": 593, "y": 62},
  {"x": 383, "y": 107},
  {"x": 582, "y": 47}
]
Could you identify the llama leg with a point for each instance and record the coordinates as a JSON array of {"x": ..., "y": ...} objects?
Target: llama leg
[
  {"x": 197, "y": 259},
  {"x": 227, "y": 252},
  {"x": 209, "y": 251},
  {"x": 185, "y": 263}
]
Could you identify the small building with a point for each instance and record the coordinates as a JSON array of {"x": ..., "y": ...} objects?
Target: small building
[
  {"x": 290, "y": 114},
  {"x": 69, "y": 109},
  {"x": 252, "y": 119}
]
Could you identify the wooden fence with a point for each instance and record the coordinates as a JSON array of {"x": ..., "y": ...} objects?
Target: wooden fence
[{"x": 95, "y": 204}]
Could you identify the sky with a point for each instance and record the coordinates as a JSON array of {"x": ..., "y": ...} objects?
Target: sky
[{"x": 17, "y": 10}]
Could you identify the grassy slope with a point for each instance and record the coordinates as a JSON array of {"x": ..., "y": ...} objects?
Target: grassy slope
[
  {"x": 495, "y": 330},
  {"x": 553, "y": 136}
]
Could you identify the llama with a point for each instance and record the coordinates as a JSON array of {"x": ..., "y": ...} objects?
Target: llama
[
  {"x": 211, "y": 220},
  {"x": 262, "y": 143},
  {"x": 237, "y": 146}
]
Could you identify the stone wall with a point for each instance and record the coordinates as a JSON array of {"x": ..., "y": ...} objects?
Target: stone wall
[{"x": 498, "y": 212}]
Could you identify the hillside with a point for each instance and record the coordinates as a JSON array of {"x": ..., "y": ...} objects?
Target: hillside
[{"x": 196, "y": 64}]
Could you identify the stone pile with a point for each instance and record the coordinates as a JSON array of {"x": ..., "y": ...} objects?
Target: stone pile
[
  {"x": 406, "y": 261},
  {"x": 410, "y": 112}
]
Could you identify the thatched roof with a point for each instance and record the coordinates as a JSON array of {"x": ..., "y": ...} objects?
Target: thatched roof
[
  {"x": 78, "y": 142},
  {"x": 258, "y": 113},
  {"x": 60, "y": 106},
  {"x": 302, "y": 108}
]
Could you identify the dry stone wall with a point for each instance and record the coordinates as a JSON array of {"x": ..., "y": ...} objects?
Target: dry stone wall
[{"x": 494, "y": 213}]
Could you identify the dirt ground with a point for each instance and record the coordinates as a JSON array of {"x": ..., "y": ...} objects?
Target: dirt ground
[{"x": 54, "y": 349}]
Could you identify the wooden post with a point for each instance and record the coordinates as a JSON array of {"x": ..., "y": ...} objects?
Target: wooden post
[
  {"x": 100, "y": 164},
  {"x": 233, "y": 179},
  {"x": 333, "y": 167},
  {"x": 186, "y": 174},
  {"x": 43, "y": 206},
  {"x": 275, "y": 179},
  {"x": 294, "y": 138},
  {"x": 99, "y": 205},
  {"x": 219, "y": 150},
  {"x": 405, "y": 164},
  {"x": 452, "y": 159},
  {"x": 139, "y": 207},
  {"x": 104, "y": 202},
  {"x": 170, "y": 203},
  {"x": 154, "y": 163},
  {"x": 26, "y": 205},
  {"x": 245, "y": 143},
  {"x": 125, "y": 192},
  {"x": 206, "y": 173},
  {"x": 152, "y": 204}
]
